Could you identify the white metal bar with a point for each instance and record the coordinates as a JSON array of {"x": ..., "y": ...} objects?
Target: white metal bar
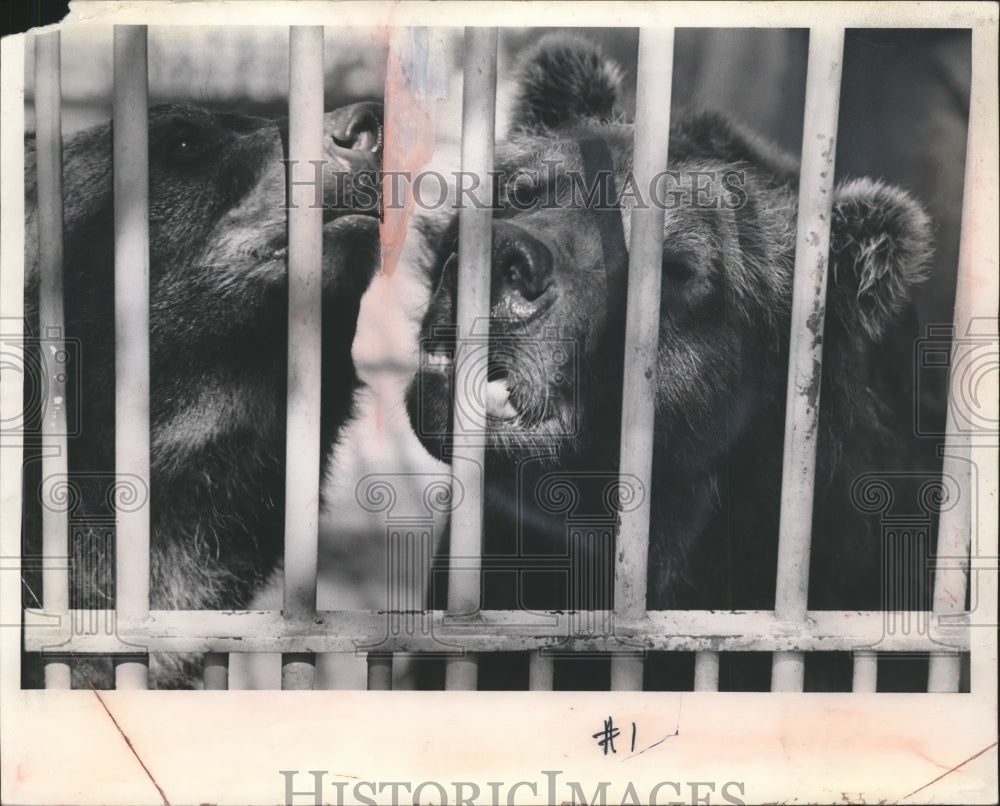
[
  {"x": 13, "y": 203},
  {"x": 379, "y": 671},
  {"x": 51, "y": 326},
  {"x": 706, "y": 671},
  {"x": 494, "y": 630},
  {"x": 216, "y": 671},
  {"x": 298, "y": 670},
  {"x": 475, "y": 249},
  {"x": 975, "y": 298},
  {"x": 541, "y": 671},
  {"x": 652, "y": 122},
  {"x": 305, "y": 312},
  {"x": 461, "y": 672},
  {"x": 865, "y": 672},
  {"x": 816, "y": 186},
  {"x": 131, "y": 188}
]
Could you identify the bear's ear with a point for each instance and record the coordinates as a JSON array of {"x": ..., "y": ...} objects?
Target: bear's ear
[
  {"x": 564, "y": 79},
  {"x": 880, "y": 245}
]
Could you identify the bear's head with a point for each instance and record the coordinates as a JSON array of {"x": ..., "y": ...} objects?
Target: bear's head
[
  {"x": 218, "y": 277},
  {"x": 560, "y": 261},
  {"x": 218, "y": 325}
]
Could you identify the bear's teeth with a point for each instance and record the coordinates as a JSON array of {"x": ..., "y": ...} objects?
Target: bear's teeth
[
  {"x": 498, "y": 403},
  {"x": 438, "y": 359}
]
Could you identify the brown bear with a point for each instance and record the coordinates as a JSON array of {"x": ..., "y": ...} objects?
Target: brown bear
[
  {"x": 554, "y": 376},
  {"x": 218, "y": 348}
]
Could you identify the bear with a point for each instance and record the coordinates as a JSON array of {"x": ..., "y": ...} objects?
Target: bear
[
  {"x": 218, "y": 350},
  {"x": 552, "y": 394}
]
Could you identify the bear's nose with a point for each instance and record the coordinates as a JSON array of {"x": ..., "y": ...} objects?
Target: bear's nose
[
  {"x": 357, "y": 127},
  {"x": 521, "y": 262}
]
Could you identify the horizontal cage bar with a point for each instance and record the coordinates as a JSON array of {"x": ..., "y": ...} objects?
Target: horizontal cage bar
[{"x": 501, "y": 630}]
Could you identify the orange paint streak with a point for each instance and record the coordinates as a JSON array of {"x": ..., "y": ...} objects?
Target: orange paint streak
[{"x": 408, "y": 145}]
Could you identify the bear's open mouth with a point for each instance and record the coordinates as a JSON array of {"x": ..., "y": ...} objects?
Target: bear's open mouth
[
  {"x": 500, "y": 406},
  {"x": 509, "y": 401},
  {"x": 501, "y": 401}
]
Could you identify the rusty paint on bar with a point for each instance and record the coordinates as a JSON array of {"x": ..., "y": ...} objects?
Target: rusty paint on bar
[
  {"x": 131, "y": 189},
  {"x": 706, "y": 671},
  {"x": 216, "y": 671},
  {"x": 305, "y": 312},
  {"x": 652, "y": 121},
  {"x": 975, "y": 302},
  {"x": 816, "y": 186},
  {"x": 541, "y": 671},
  {"x": 865, "y": 672},
  {"x": 51, "y": 325},
  {"x": 379, "y": 671},
  {"x": 475, "y": 228}
]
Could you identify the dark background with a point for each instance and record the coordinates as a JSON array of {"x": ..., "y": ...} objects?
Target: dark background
[{"x": 20, "y": 15}]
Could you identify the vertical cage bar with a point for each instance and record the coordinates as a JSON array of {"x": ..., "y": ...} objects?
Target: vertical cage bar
[
  {"x": 865, "y": 672},
  {"x": 652, "y": 122},
  {"x": 816, "y": 184},
  {"x": 216, "y": 671},
  {"x": 131, "y": 188},
  {"x": 475, "y": 248},
  {"x": 975, "y": 299},
  {"x": 51, "y": 329},
  {"x": 379, "y": 671},
  {"x": 706, "y": 671},
  {"x": 541, "y": 671},
  {"x": 305, "y": 281}
]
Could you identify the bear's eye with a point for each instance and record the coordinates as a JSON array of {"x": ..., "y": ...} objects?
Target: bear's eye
[
  {"x": 677, "y": 267},
  {"x": 187, "y": 146}
]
